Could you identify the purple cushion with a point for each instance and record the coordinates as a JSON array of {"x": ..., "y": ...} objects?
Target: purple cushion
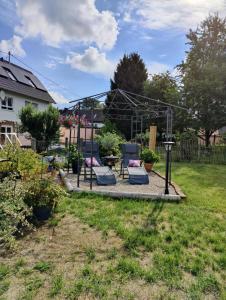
[
  {"x": 88, "y": 162},
  {"x": 134, "y": 163}
]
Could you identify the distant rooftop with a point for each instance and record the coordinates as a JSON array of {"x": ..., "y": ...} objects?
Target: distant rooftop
[{"x": 14, "y": 78}]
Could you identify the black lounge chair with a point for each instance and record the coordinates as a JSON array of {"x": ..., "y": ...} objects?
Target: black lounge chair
[
  {"x": 137, "y": 175},
  {"x": 104, "y": 175},
  {"x": 129, "y": 151}
]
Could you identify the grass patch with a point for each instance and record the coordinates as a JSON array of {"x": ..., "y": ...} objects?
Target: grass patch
[
  {"x": 130, "y": 268},
  {"x": 43, "y": 266},
  {"x": 56, "y": 285},
  {"x": 4, "y": 286},
  {"x": 32, "y": 285},
  {"x": 4, "y": 271},
  {"x": 89, "y": 282},
  {"x": 90, "y": 253},
  {"x": 167, "y": 250},
  {"x": 183, "y": 240}
]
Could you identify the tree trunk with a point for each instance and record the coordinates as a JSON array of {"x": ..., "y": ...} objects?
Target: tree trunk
[{"x": 207, "y": 138}]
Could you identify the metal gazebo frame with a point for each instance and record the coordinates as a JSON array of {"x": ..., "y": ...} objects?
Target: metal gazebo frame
[{"x": 133, "y": 107}]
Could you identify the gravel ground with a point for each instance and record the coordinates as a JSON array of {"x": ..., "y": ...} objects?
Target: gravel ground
[{"x": 156, "y": 185}]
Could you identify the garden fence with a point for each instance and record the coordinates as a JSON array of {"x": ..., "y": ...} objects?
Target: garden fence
[{"x": 192, "y": 152}]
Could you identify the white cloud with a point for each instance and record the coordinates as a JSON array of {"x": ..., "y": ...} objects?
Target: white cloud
[
  {"x": 146, "y": 37},
  {"x": 59, "y": 98},
  {"x": 53, "y": 62},
  {"x": 155, "y": 67},
  {"x": 13, "y": 45},
  {"x": 51, "y": 65},
  {"x": 156, "y": 14},
  {"x": 91, "y": 61},
  {"x": 57, "y": 21}
]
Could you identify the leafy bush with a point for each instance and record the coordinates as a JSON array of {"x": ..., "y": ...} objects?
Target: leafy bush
[
  {"x": 42, "y": 125},
  {"x": 24, "y": 162},
  {"x": 109, "y": 127},
  {"x": 143, "y": 138},
  {"x": 74, "y": 154},
  {"x": 109, "y": 143},
  {"x": 149, "y": 156},
  {"x": 13, "y": 211},
  {"x": 42, "y": 192}
]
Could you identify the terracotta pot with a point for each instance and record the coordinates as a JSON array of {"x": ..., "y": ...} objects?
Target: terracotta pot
[{"x": 148, "y": 167}]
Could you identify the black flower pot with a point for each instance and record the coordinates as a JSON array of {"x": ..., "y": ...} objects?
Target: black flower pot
[
  {"x": 74, "y": 165},
  {"x": 42, "y": 213}
]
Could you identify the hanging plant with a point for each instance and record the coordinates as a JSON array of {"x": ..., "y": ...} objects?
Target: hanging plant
[{"x": 72, "y": 120}]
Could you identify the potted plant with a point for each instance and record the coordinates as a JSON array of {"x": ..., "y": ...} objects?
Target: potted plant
[
  {"x": 42, "y": 195},
  {"x": 149, "y": 157},
  {"x": 75, "y": 157},
  {"x": 109, "y": 143}
]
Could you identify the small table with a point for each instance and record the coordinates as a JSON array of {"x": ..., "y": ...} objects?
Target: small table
[{"x": 110, "y": 160}]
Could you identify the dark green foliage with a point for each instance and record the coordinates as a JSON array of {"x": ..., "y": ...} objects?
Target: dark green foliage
[
  {"x": 130, "y": 75},
  {"x": 88, "y": 103},
  {"x": 204, "y": 75},
  {"x": 165, "y": 88},
  {"x": 42, "y": 192},
  {"x": 109, "y": 143},
  {"x": 74, "y": 154},
  {"x": 42, "y": 125},
  {"x": 109, "y": 127},
  {"x": 13, "y": 213},
  {"x": 149, "y": 156}
]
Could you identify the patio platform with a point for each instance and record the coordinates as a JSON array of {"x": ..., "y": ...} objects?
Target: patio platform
[{"x": 154, "y": 190}]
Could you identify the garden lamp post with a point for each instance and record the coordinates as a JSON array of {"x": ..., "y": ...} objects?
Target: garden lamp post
[{"x": 168, "y": 147}]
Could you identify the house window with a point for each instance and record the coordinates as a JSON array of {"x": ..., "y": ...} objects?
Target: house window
[
  {"x": 5, "y": 130},
  {"x": 10, "y": 74},
  {"x": 7, "y": 103},
  {"x": 30, "y": 82},
  {"x": 35, "y": 105}
]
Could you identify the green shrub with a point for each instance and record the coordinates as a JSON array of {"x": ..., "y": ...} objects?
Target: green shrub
[
  {"x": 74, "y": 154},
  {"x": 149, "y": 156},
  {"x": 109, "y": 127},
  {"x": 109, "y": 143},
  {"x": 13, "y": 212},
  {"x": 24, "y": 162},
  {"x": 42, "y": 192}
]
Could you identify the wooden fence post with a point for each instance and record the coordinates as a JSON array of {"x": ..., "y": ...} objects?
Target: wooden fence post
[{"x": 152, "y": 137}]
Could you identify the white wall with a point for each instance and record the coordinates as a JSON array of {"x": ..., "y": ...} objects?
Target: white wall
[{"x": 18, "y": 103}]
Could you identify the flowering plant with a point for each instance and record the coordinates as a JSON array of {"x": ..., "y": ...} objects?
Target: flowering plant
[{"x": 72, "y": 120}]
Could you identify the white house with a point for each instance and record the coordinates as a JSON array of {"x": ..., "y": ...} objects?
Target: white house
[{"x": 18, "y": 87}]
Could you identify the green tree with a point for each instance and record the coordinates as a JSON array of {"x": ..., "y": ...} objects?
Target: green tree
[
  {"x": 165, "y": 88},
  {"x": 204, "y": 75},
  {"x": 130, "y": 75},
  {"x": 42, "y": 125},
  {"x": 88, "y": 103}
]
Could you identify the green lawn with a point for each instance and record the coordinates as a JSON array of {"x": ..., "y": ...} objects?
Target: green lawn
[
  {"x": 131, "y": 249},
  {"x": 204, "y": 185}
]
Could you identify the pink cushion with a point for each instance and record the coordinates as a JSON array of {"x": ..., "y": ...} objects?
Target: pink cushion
[
  {"x": 134, "y": 163},
  {"x": 88, "y": 162}
]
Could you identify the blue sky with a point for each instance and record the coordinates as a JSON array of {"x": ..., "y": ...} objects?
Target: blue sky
[{"x": 77, "y": 43}]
